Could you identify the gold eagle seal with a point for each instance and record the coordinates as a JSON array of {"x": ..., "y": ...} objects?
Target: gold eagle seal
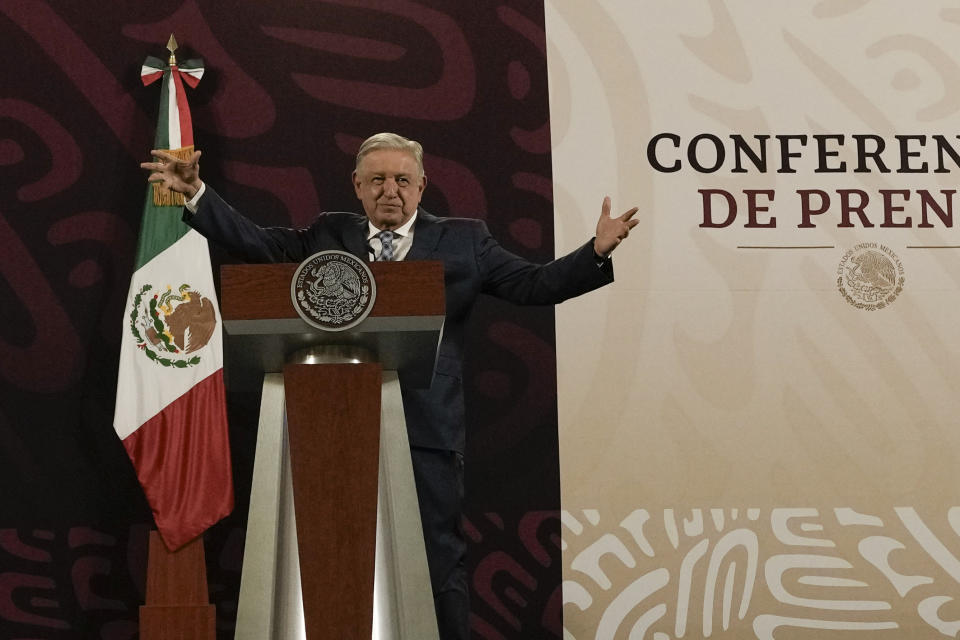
[{"x": 870, "y": 276}]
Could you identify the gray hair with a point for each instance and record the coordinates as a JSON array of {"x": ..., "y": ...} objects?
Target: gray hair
[{"x": 394, "y": 142}]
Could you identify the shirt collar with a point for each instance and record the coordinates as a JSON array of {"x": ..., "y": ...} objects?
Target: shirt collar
[{"x": 402, "y": 231}]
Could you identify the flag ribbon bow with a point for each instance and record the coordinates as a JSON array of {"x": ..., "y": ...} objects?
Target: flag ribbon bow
[{"x": 175, "y": 126}]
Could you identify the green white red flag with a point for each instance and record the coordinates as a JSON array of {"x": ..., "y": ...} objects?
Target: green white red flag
[{"x": 171, "y": 406}]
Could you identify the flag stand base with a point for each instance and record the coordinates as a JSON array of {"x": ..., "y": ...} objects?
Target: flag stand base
[{"x": 178, "y": 605}]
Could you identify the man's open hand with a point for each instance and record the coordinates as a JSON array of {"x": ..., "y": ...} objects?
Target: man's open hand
[
  {"x": 612, "y": 231},
  {"x": 182, "y": 176}
]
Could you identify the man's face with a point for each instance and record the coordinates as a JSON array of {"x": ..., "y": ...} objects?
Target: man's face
[{"x": 389, "y": 185}]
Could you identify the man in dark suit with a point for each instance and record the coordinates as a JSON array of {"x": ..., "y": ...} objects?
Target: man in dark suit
[{"x": 389, "y": 182}]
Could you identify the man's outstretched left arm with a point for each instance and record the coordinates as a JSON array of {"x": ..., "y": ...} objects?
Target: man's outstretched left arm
[{"x": 513, "y": 278}]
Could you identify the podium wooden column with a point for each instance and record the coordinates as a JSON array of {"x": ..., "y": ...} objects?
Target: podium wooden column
[{"x": 354, "y": 530}]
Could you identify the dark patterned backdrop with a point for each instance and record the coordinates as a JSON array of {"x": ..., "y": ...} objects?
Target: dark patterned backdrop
[{"x": 291, "y": 88}]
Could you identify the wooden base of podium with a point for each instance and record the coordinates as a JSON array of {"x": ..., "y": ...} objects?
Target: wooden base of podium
[{"x": 178, "y": 605}]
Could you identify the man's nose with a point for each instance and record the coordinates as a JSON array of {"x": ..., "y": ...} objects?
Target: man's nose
[{"x": 390, "y": 187}]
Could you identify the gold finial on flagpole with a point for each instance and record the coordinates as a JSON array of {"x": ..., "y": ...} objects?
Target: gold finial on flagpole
[{"x": 171, "y": 47}]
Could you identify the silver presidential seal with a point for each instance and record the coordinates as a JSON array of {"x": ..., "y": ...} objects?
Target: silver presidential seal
[
  {"x": 870, "y": 276},
  {"x": 333, "y": 290}
]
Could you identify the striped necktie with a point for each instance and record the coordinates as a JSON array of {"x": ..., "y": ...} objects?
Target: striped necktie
[{"x": 386, "y": 240}]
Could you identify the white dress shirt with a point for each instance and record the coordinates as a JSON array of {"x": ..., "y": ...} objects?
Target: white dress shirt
[{"x": 194, "y": 202}]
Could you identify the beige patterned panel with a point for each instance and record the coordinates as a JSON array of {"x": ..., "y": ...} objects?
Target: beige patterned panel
[
  {"x": 722, "y": 368},
  {"x": 743, "y": 573}
]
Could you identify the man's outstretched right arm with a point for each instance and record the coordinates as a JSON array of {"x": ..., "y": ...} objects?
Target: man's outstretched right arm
[{"x": 220, "y": 223}]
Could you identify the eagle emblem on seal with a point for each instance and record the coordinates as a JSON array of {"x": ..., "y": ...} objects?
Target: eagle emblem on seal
[{"x": 333, "y": 290}]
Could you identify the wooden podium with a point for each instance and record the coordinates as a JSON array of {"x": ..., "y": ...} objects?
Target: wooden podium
[{"x": 334, "y": 545}]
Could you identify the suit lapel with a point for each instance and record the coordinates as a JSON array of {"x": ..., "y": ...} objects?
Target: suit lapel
[
  {"x": 426, "y": 236},
  {"x": 355, "y": 238}
]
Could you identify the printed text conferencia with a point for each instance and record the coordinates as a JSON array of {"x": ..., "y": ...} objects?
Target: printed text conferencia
[{"x": 823, "y": 154}]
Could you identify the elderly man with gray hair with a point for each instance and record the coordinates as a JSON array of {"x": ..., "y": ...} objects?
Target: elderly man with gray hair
[{"x": 389, "y": 181}]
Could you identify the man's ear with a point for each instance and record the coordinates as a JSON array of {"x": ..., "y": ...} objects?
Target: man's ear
[
  {"x": 356, "y": 183},
  {"x": 423, "y": 182}
]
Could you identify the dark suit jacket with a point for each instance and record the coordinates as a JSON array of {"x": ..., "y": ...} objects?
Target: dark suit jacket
[{"x": 474, "y": 263}]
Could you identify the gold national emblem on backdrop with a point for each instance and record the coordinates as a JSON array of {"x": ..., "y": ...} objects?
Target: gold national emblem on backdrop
[
  {"x": 870, "y": 276},
  {"x": 170, "y": 327},
  {"x": 333, "y": 290}
]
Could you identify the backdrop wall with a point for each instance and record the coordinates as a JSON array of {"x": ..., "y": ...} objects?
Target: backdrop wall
[
  {"x": 291, "y": 89},
  {"x": 758, "y": 421}
]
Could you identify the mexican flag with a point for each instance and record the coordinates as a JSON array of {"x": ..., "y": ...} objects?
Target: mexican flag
[{"x": 171, "y": 408}]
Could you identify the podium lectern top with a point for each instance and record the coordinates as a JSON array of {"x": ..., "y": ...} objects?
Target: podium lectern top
[{"x": 403, "y": 328}]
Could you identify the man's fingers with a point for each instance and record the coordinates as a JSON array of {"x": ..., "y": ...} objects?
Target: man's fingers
[
  {"x": 153, "y": 166},
  {"x": 165, "y": 155},
  {"x": 612, "y": 231}
]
